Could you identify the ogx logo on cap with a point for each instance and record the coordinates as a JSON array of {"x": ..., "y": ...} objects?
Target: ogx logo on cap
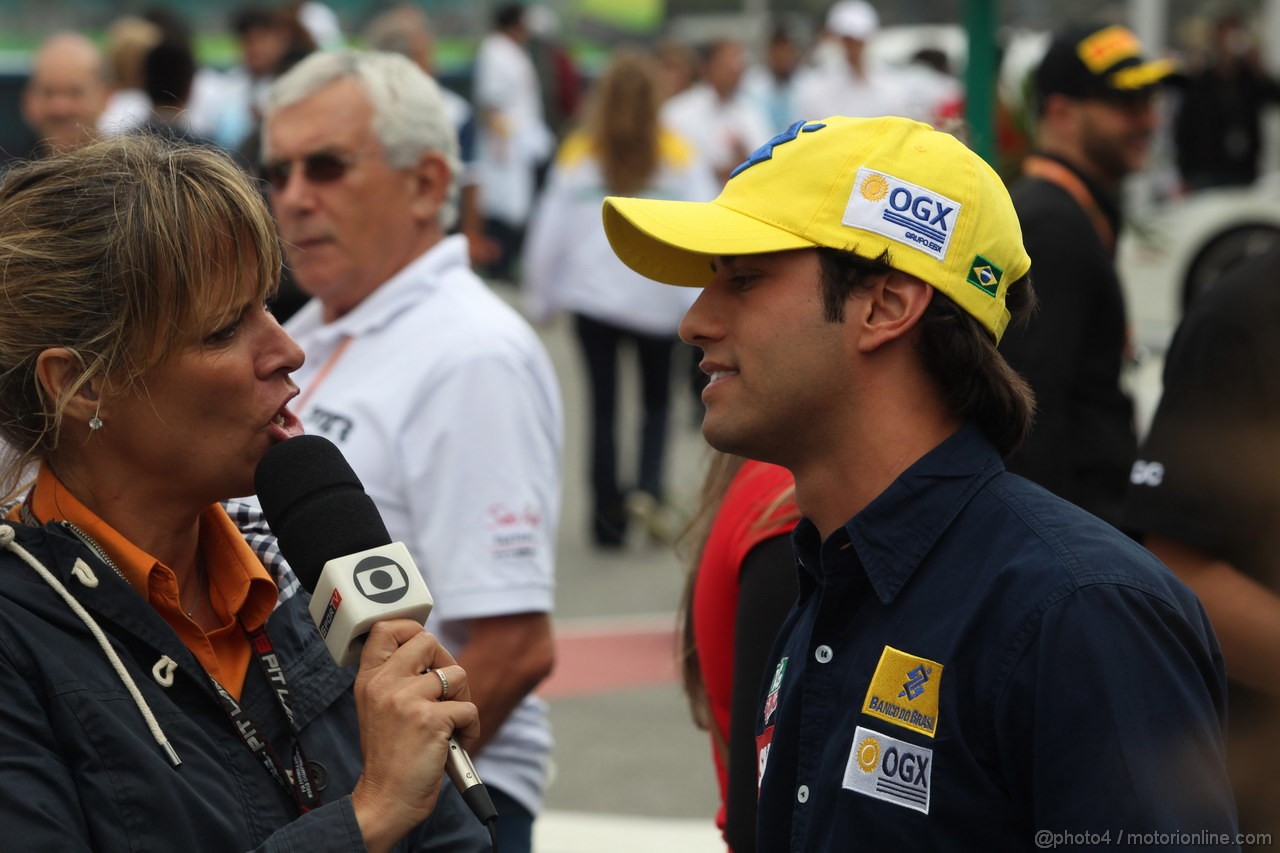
[
  {"x": 866, "y": 186},
  {"x": 902, "y": 211}
]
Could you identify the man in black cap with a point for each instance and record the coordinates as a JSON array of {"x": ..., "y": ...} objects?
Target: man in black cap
[{"x": 1095, "y": 119}]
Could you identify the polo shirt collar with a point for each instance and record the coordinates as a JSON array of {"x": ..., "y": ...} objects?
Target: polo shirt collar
[
  {"x": 397, "y": 294},
  {"x": 893, "y": 534}
]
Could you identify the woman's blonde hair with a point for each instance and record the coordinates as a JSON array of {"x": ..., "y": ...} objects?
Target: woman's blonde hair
[
  {"x": 123, "y": 252},
  {"x": 622, "y": 121},
  {"x": 128, "y": 41}
]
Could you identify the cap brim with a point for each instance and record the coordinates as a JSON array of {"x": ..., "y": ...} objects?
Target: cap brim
[
  {"x": 1138, "y": 77},
  {"x": 675, "y": 241}
]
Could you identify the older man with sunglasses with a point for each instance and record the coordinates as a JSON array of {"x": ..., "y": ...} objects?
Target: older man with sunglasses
[{"x": 439, "y": 394}]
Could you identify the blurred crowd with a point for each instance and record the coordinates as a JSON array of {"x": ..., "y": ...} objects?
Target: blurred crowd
[{"x": 526, "y": 91}]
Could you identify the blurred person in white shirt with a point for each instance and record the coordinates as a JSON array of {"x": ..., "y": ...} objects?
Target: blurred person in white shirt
[
  {"x": 847, "y": 83},
  {"x": 512, "y": 134},
  {"x": 569, "y": 267},
  {"x": 127, "y": 42},
  {"x": 772, "y": 85},
  {"x": 721, "y": 121}
]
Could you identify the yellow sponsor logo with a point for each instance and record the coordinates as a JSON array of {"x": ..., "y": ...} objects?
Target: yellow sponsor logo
[
  {"x": 904, "y": 691},
  {"x": 1105, "y": 48},
  {"x": 875, "y": 187},
  {"x": 868, "y": 755}
]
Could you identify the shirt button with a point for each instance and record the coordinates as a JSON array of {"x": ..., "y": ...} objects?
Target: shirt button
[
  {"x": 803, "y": 794},
  {"x": 824, "y": 654},
  {"x": 318, "y": 775}
]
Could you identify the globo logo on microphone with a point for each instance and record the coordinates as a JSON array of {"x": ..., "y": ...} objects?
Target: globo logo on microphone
[
  {"x": 356, "y": 590},
  {"x": 380, "y": 579}
]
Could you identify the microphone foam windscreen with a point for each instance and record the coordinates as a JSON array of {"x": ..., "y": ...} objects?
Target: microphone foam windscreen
[{"x": 316, "y": 505}]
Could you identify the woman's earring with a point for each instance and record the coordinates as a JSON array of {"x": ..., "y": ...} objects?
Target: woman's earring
[{"x": 95, "y": 422}]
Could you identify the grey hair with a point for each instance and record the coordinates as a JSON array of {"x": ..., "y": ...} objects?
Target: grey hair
[
  {"x": 394, "y": 30},
  {"x": 409, "y": 116}
]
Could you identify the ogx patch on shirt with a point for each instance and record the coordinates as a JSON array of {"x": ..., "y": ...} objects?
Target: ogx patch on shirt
[{"x": 904, "y": 691}]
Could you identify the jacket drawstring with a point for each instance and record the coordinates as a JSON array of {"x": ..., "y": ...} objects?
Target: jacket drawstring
[
  {"x": 162, "y": 672},
  {"x": 85, "y": 575}
]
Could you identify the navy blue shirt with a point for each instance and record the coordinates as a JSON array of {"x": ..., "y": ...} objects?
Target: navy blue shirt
[{"x": 973, "y": 660}]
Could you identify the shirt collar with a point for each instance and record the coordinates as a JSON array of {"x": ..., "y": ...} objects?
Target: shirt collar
[
  {"x": 242, "y": 581},
  {"x": 394, "y": 296},
  {"x": 892, "y": 535}
]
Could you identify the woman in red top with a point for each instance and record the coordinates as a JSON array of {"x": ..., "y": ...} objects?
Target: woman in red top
[{"x": 740, "y": 589}]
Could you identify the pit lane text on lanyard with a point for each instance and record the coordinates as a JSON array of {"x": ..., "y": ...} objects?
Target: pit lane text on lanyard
[{"x": 296, "y": 781}]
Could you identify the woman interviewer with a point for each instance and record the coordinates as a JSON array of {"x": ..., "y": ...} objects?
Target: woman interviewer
[{"x": 161, "y": 688}]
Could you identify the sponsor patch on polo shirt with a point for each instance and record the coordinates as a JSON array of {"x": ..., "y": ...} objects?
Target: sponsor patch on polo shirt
[
  {"x": 904, "y": 691},
  {"x": 764, "y": 741},
  {"x": 902, "y": 211},
  {"x": 889, "y": 769},
  {"x": 771, "y": 701}
]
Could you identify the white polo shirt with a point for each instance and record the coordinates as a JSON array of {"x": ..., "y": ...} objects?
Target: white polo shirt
[
  {"x": 446, "y": 405},
  {"x": 722, "y": 132}
]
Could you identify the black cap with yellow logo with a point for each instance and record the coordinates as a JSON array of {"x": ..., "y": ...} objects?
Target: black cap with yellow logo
[{"x": 1098, "y": 61}]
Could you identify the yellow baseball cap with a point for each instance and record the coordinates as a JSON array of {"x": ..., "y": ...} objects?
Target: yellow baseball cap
[{"x": 865, "y": 186}]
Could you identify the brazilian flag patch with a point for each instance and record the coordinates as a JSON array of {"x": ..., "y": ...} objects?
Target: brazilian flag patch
[{"x": 985, "y": 275}]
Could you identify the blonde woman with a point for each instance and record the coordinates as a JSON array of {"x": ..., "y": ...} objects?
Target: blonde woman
[
  {"x": 163, "y": 688},
  {"x": 622, "y": 150}
]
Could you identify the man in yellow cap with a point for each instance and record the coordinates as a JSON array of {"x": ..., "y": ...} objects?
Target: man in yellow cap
[
  {"x": 973, "y": 663},
  {"x": 1095, "y": 103}
]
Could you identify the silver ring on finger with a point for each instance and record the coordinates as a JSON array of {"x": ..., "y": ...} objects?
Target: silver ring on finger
[{"x": 444, "y": 684}]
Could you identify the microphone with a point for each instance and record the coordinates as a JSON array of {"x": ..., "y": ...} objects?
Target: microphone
[{"x": 336, "y": 543}]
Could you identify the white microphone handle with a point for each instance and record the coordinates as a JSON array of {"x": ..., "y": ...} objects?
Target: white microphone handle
[{"x": 357, "y": 590}]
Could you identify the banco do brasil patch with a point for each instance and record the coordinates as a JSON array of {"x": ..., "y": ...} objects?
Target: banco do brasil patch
[{"x": 904, "y": 691}]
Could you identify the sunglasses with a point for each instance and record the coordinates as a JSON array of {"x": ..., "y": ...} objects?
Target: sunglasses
[{"x": 319, "y": 168}]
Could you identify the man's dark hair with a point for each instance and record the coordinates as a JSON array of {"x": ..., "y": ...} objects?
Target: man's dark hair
[
  {"x": 708, "y": 51},
  {"x": 168, "y": 72},
  {"x": 249, "y": 18},
  {"x": 958, "y": 352},
  {"x": 781, "y": 34},
  {"x": 173, "y": 26},
  {"x": 508, "y": 16},
  {"x": 933, "y": 57}
]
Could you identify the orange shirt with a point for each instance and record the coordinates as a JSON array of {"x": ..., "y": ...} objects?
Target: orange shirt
[{"x": 241, "y": 590}]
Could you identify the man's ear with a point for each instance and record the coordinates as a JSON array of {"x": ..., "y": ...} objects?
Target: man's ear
[
  {"x": 432, "y": 176},
  {"x": 1059, "y": 115},
  {"x": 57, "y": 370},
  {"x": 891, "y": 308}
]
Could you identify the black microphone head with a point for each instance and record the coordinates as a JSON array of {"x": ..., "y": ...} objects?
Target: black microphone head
[{"x": 316, "y": 505}]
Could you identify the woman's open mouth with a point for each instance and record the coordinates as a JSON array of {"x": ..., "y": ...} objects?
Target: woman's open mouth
[{"x": 284, "y": 425}]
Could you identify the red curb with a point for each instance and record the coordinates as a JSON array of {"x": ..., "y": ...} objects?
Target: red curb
[{"x": 608, "y": 661}]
